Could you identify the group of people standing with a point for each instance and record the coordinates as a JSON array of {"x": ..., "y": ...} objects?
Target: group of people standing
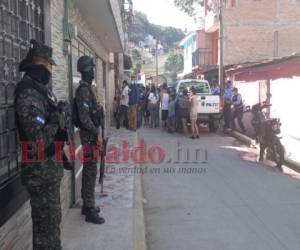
[
  {"x": 153, "y": 104},
  {"x": 138, "y": 106}
]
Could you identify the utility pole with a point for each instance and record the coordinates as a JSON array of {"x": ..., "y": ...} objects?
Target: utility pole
[
  {"x": 221, "y": 44},
  {"x": 156, "y": 61}
]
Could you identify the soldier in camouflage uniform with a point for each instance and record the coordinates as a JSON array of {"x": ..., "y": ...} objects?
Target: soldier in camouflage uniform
[
  {"x": 38, "y": 121},
  {"x": 89, "y": 123}
]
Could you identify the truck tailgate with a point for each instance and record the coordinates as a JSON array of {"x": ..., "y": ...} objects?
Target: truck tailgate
[{"x": 208, "y": 104}]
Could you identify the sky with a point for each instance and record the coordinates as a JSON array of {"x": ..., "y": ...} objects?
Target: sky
[{"x": 164, "y": 12}]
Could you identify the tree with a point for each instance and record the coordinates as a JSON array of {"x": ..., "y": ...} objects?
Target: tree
[
  {"x": 188, "y": 6},
  {"x": 173, "y": 65},
  {"x": 141, "y": 27},
  {"x": 171, "y": 35}
]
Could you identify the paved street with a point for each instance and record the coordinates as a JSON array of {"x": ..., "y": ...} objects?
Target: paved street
[{"x": 232, "y": 203}]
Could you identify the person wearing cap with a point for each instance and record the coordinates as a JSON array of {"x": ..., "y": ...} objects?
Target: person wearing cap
[
  {"x": 37, "y": 120},
  {"x": 227, "y": 105},
  {"x": 89, "y": 131}
]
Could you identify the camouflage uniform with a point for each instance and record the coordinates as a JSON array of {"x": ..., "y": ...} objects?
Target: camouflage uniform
[
  {"x": 89, "y": 131},
  {"x": 37, "y": 121}
]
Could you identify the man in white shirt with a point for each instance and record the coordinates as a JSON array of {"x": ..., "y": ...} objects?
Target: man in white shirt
[
  {"x": 124, "y": 105},
  {"x": 164, "y": 105}
]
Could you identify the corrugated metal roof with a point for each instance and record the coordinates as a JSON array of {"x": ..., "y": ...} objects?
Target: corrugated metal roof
[{"x": 249, "y": 65}]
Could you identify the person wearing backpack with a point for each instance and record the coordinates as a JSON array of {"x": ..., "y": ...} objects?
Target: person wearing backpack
[
  {"x": 89, "y": 124},
  {"x": 184, "y": 111}
]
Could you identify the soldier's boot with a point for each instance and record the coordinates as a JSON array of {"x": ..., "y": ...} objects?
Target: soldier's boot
[
  {"x": 84, "y": 209},
  {"x": 93, "y": 217}
]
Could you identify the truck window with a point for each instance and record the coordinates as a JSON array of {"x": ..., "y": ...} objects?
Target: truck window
[{"x": 201, "y": 87}]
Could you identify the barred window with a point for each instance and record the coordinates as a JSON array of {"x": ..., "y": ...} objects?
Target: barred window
[{"x": 20, "y": 21}]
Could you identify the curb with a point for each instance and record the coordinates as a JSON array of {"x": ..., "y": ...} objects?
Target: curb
[
  {"x": 293, "y": 164},
  {"x": 252, "y": 143},
  {"x": 245, "y": 139},
  {"x": 139, "y": 226}
]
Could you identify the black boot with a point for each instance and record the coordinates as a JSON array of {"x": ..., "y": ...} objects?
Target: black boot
[
  {"x": 93, "y": 217},
  {"x": 84, "y": 209}
]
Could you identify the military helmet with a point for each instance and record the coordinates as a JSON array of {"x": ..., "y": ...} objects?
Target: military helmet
[
  {"x": 38, "y": 49},
  {"x": 85, "y": 64}
]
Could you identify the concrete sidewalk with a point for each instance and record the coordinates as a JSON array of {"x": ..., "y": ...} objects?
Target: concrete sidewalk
[{"x": 121, "y": 210}]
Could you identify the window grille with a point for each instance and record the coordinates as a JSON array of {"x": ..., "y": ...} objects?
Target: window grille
[{"x": 20, "y": 21}]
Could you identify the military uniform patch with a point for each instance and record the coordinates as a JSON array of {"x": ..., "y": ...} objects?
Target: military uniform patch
[{"x": 40, "y": 120}]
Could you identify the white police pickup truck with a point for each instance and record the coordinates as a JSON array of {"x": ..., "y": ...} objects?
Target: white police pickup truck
[{"x": 209, "y": 106}]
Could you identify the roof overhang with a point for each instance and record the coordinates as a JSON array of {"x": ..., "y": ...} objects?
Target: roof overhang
[
  {"x": 104, "y": 17},
  {"x": 285, "y": 67}
]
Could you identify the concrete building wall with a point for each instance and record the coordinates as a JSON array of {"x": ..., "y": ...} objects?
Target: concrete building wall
[
  {"x": 16, "y": 233},
  {"x": 92, "y": 41},
  {"x": 257, "y": 30}
]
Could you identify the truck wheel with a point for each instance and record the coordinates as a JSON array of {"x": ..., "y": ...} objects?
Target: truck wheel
[{"x": 212, "y": 127}]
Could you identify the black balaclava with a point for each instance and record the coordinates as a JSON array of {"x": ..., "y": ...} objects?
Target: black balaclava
[
  {"x": 38, "y": 73},
  {"x": 88, "y": 76}
]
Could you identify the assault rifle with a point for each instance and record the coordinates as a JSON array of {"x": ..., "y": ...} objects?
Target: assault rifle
[
  {"x": 66, "y": 125},
  {"x": 103, "y": 150}
]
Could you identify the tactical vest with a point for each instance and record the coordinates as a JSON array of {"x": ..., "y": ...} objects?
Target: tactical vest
[
  {"x": 94, "y": 112},
  {"x": 28, "y": 83}
]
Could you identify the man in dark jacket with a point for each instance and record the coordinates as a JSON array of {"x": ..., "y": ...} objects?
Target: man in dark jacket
[
  {"x": 90, "y": 137},
  {"x": 38, "y": 122}
]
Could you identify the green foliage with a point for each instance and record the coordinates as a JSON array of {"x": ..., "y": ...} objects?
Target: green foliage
[
  {"x": 188, "y": 6},
  {"x": 136, "y": 69},
  {"x": 168, "y": 36},
  {"x": 173, "y": 65}
]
